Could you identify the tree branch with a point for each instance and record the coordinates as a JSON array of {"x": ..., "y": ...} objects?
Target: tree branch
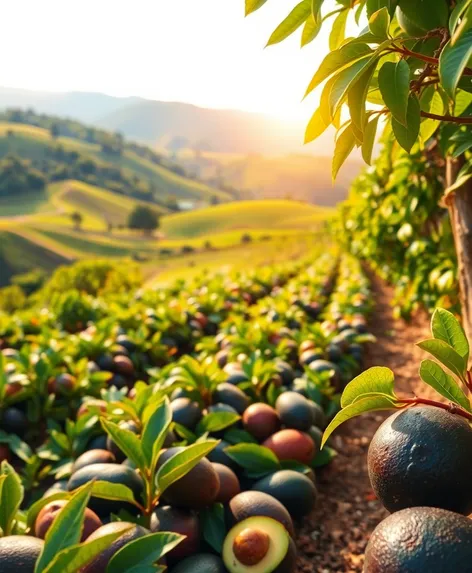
[
  {"x": 422, "y": 57},
  {"x": 452, "y": 408},
  {"x": 448, "y": 118}
]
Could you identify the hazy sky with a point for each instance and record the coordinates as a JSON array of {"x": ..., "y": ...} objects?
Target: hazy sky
[{"x": 199, "y": 51}]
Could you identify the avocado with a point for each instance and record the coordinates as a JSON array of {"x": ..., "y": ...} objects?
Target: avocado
[
  {"x": 62, "y": 384},
  {"x": 131, "y": 531},
  {"x": 309, "y": 356},
  {"x": 18, "y": 553},
  {"x": 326, "y": 366},
  {"x": 196, "y": 489},
  {"x": 113, "y": 448},
  {"x": 421, "y": 539},
  {"x": 56, "y": 487},
  {"x": 219, "y": 456},
  {"x": 112, "y": 473},
  {"x": 122, "y": 365},
  {"x": 200, "y": 563},
  {"x": 261, "y": 421},
  {"x": 98, "y": 443},
  {"x": 294, "y": 490},
  {"x": 233, "y": 396},
  {"x": 295, "y": 411},
  {"x": 236, "y": 377},
  {"x": 317, "y": 436},
  {"x": 292, "y": 444},
  {"x": 167, "y": 518},
  {"x": 229, "y": 483},
  {"x": 257, "y": 545},
  {"x": 318, "y": 413},
  {"x": 254, "y": 504},
  {"x": 93, "y": 457},
  {"x": 92, "y": 405},
  {"x": 14, "y": 421},
  {"x": 220, "y": 407},
  {"x": 416, "y": 458},
  {"x": 285, "y": 371},
  {"x": 185, "y": 412},
  {"x": 49, "y": 513}
]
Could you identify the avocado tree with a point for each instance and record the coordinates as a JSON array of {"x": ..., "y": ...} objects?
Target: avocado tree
[
  {"x": 409, "y": 72},
  {"x": 143, "y": 218}
]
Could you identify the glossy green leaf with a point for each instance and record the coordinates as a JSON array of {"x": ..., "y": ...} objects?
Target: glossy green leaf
[
  {"x": 344, "y": 145},
  {"x": 446, "y": 327},
  {"x": 291, "y": 23},
  {"x": 369, "y": 139},
  {"x": 457, "y": 14},
  {"x": 375, "y": 5},
  {"x": 217, "y": 421},
  {"x": 408, "y": 135},
  {"x": 74, "y": 558},
  {"x": 374, "y": 380},
  {"x": 143, "y": 552},
  {"x": 394, "y": 85},
  {"x": 113, "y": 491},
  {"x": 366, "y": 404},
  {"x": 182, "y": 463},
  {"x": 453, "y": 61},
  {"x": 311, "y": 29},
  {"x": 357, "y": 96},
  {"x": 155, "y": 432},
  {"x": 254, "y": 457},
  {"x": 11, "y": 497},
  {"x": 338, "y": 30},
  {"x": 379, "y": 23},
  {"x": 214, "y": 526},
  {"x": 464, "y": 26},
  {"x": 324, "y": 457},
  {"x": 316, "y": 9},
  {"x": 253, "y": 5},
  {"x": 446, "y": 355},
  {"x": 66, "y": 529},
  {"x": 463, "y": 101},
  {"x": 336, "y": 60},
  {"x": 444, "y": 384},
  {"x": 237, "y": 436},
  {"x": 316, "y": 126},
  {"x": 128, "y": 442},
  {"x": 34, "y": 509}
]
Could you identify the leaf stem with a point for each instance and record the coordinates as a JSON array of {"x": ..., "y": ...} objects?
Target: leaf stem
[
  {"x": 451, "y": 408},
  {"x": 448, "y": 118},
  {"x": 406, "y": 52}
]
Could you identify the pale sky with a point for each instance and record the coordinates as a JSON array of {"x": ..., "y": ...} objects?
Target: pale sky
[{"x": 198, "y": 51}]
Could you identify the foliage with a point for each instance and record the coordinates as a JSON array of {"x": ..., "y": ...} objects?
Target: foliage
[
  {"x": 143, "y": 218},
  {"x": 18, "y": 176},
  {"x": 12, "y": 298}
]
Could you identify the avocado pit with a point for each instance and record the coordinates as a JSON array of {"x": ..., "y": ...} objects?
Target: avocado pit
[{"x": 251, "y": 546}]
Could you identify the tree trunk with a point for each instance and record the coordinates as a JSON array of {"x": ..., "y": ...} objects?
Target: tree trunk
[{"x": 459, "y": 203}]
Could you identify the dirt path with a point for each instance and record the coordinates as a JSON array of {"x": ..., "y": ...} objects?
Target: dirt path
[{"x": 335, "y": 536}]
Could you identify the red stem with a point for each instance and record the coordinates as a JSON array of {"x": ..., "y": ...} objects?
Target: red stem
[
  {"x": 468, "y": 380},
  {"x": 448, "y": 118},
  {"x": 429, "y": 59},
  {"x": 452, "y": 408}
]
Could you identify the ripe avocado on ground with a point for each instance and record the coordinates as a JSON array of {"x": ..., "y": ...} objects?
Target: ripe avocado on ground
[
  {"x": 257, "y": 545},
  {"x": 295, "y": 411},
  {"x": 421, "y": 540},
  {"x": 233, "y": 396},
  {"x": 261, "y": 420},
  {"x": 185, "y": 412},
  {"x": 18, "y": 553},
  {"x": 202, "y": 563},
  {"x": 294, "y": 490},
  {"x": 418, "y": 457}
]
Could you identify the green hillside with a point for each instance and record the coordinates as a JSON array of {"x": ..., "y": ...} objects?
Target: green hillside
[{"x": 244, "y": 215}]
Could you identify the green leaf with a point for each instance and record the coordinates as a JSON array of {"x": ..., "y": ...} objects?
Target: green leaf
[
  {"x": 444, "y": 384},
  {"x": 155, "y": 432},
  {"x": 394, "y": 85},
  {"x": 337, "y": 60},
  {"x": 113, "y": 491},
  {"x": 374, "y": 380},
  {"x": 143, "y": 552},
  {"x": 379, "y": 23},
  {"x": 182, "y": 463},
  {"x": 74, "y": 558},
  {"x": 344, "y": 145},
  {"x": 214, "y": 526},
  {"x": 457, "y": 14},
  {"x": 66, "y": 529},
  {"x": 369, "y": 139},
  {"x": 453, "y": 61},
  {"x": 462, "y": 102},
  {"x": 17, "y": 446},
  {"x": 338, "y": 30},
  {"x": 375, "y": 5},
  {"x": 236, "y": 436},
  {"x": 128, "y": 442},
  {"x": 366, "y": 404},
  {"x": 291, "y": 23},
  {"x": 316, "y": 9},
  {"x": 217, "y": 421},
  {"x": 253, "y": 5},
  {"x": 311, "y": 29},
  {"x": 357, "y": 95},
  {"x": 257, "y": 459},
  {"x": 34, "y": 510},
  {"x": 324, "y": 457},
  {"x": 316, "y": 126},
  {"x": 445, "y": 354},
  {"x": 11, "y": 497},
  {"x": 446, "y": 327},
  {"x": 407, "y": 136}
]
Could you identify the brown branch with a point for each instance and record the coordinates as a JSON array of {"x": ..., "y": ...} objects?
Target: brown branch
[
  {"x": 406, "y": 52},
  {"x": 451, "y": 408},
  {"x": 448, "y": 118}
]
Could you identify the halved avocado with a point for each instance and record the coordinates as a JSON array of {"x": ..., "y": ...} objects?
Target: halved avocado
[{"x": 256, "y": 545}]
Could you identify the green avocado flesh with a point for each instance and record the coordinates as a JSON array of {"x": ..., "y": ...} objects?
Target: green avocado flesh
[{"x": 279, "y": 541}]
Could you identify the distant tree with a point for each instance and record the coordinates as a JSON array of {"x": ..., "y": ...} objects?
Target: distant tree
[
  {"x": 54, "y": 130},
  {"x": 109, "y": 225},
  {"x": 77, "y": 219},
  {"x": 246, "y": 238},
  {"x": 214, "y": 200},
  {"x": 144, "y": 219}
]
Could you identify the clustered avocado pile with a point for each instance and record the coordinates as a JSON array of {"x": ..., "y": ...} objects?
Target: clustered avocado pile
[{"x": 177, "y": 428}]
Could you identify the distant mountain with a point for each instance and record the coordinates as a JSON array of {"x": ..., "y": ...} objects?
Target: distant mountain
[{"x": 172, "y": 125}]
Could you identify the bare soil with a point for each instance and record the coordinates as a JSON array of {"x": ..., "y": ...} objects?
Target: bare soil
[{"x": 334, "y": 537}]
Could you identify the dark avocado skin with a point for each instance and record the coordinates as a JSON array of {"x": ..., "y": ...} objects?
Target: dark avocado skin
[
  {"x": 113, "y": 473},
  {"x": 18, "y": 553},
  {"x": 167, "y": 518},
  {"x": 186, "y": 412},
  {"x": 294, "y": 490},
  {"x": 100, "y": 563},
  {"x": 218, "y": 455},
  {"x": 256, "y": 503},
  {"x": 93, "y": 457},
  {"x": 289, "y": 562},
  {"x": 233, "y": 396},
  {"x": 421, "y": 540},
  {"x": 419, "y": 457},
  {"x": 203, "y": 563},
  {"x": 294, "y": 411}
]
